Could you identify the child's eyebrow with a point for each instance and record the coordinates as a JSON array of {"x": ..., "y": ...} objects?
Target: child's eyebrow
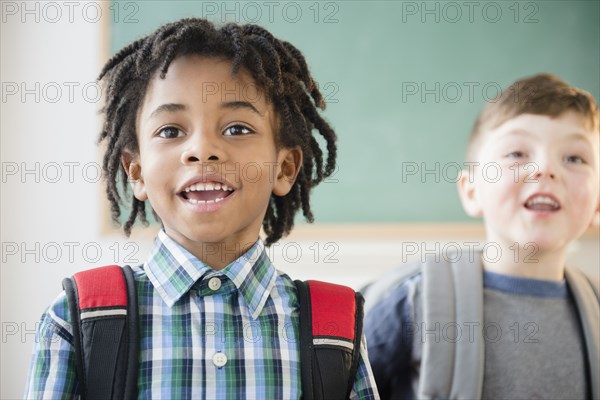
[
  {"x": 169, "y": 107},
  {"x": 580, "y": 137},
  {"x": 571, "y": 137},
  {"x": 234, "y": 105}
]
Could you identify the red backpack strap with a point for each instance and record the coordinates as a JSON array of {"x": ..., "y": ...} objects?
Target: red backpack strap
[
  {"x": 103, "y": 307},
  {"x": 331, "y": 319}
]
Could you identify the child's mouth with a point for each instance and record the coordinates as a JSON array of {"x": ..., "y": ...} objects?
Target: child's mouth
[
  {"x": 206, "y": 193},
  {"x": 542, "y": 203}
]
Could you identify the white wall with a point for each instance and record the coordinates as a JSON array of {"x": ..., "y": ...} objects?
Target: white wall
[
  {"x": 59, "y": 130},
  {"x": 35, "y": 211}
]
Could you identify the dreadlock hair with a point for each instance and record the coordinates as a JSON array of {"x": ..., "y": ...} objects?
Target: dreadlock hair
[{"x": 277, "y": 66}]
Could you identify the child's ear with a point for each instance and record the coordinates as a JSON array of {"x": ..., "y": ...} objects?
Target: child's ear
[
  {"x": 131, "y": 163},
  {"x": 468, "y": 195},
  {"x": 289, "y": 162}
]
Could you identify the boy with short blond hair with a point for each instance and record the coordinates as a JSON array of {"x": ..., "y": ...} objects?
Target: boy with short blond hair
[{"x": 542, "y": 135}]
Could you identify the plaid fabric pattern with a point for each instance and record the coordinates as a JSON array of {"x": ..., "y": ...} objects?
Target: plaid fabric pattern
[{"x": 239, "y": 341}]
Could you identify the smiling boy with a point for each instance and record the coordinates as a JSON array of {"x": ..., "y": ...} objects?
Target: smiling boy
[
  {"x": 535, "y": 183},
  {"x": 213, "y": 128},
  {"x": 208, "y": 161},
  {"x": 546, "y": 194}
]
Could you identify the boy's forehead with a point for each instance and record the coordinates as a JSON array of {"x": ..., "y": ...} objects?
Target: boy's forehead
[
  {"x": 569, "y": 125},
  {"x": 188, "y": 69},
  {"x": 204, "y": 79}
]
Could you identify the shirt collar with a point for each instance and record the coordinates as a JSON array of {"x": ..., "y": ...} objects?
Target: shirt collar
[{"x": 173, "y": 270}]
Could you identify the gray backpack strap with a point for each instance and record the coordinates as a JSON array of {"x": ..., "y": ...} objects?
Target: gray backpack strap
[
  {"x": 586, "y": 294},
  {"x": 452, "y": 366},
  {"x": 467, "y": 382}
]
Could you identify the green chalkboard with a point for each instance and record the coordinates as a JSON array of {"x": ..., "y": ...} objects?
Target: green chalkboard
[{"x": 404, "y": 82}]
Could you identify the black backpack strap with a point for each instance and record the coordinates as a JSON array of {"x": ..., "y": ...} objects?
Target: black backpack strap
[
  {"x": 103, "y": 308},
  {"x": 331, "y": 318}
]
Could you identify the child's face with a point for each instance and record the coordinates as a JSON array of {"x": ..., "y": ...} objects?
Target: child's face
[
  {"x": 208, "y": 161},
  {"x": 548, "y": 188}
]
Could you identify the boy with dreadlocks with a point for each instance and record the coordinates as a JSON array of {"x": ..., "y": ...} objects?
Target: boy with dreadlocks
[{"x": 214, "y": 128}]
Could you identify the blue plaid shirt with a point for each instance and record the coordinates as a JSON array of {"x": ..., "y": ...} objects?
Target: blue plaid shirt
[{"x": 204, "y": 334}]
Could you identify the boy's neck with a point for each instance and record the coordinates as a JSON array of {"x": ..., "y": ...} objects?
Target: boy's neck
[
  {"x": 530, "y": 262},
  {"x": 219, "y": 256},
  {"x": 215, "y": 255}
]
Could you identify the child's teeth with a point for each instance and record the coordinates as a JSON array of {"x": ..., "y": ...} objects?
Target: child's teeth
[
  {"x": 207, "y": 186},
  {"x": 543, "y": 201},
  {"x": 194, "y": 201}
]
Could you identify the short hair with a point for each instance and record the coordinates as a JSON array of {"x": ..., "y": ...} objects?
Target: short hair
[
  {"x": 541, "y": 94},
  {"x": 278, "y": 68}
]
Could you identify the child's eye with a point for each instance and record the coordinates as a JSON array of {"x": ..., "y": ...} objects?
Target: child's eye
[
  {"x": 170, "y": 132},
  {"x": 575, "y": 159},
  {"x": 515, "y": 154},
  {"x": 237, "y": 130}
]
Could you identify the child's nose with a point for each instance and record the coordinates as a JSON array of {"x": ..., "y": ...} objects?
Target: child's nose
[
  {"x": 544, "y": 168},
  {"x": 201, "y": 150}
]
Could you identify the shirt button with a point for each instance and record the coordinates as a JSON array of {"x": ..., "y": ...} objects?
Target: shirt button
[
  {"x": 219, "y": 359},
  {"x": 214, "y": 283}
]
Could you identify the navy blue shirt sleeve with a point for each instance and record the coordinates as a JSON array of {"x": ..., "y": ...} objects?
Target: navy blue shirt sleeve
[{"x": 389, "y": 329}]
